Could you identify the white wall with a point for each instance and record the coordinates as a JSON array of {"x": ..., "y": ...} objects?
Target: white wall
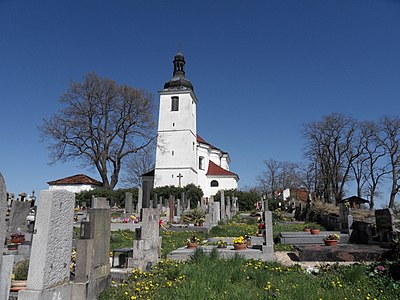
[{"x": 76, "y": 188}]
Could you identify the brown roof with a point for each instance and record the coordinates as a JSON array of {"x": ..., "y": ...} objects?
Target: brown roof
[
  {"x": 214, "y": 169},
  {"x": 76, "y": 179}
]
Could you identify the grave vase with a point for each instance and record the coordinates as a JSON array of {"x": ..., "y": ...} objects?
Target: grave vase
[
  {"x": 192, "y": 245},
  {"x": 330, "y": 242},
  {"x": 240, "y": 246},
  {"x": 315, "y": 231}
]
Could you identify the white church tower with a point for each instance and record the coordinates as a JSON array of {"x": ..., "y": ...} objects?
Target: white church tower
[{"x": 176, "y": 156}]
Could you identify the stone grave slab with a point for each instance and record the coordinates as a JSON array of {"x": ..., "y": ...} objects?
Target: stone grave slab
[
  {"x": 302, "y": 237},
  {"x": 339, "y": 253},
  {"x": 184, "y": 253}
]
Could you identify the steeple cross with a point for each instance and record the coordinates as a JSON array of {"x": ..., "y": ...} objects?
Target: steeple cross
[{"x": 179, "y": 177}]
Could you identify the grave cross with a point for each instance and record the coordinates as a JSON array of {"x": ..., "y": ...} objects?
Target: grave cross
[{"x": 179, "y": 177}]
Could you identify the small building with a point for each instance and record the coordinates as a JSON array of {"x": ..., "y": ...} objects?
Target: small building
[
  {"x": 354, "y": 201},
  {"x": 75, "y": 183}
]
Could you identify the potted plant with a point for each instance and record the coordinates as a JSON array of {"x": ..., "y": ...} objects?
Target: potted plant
[
  {"x": 239, "y": 243},
  {"x": 331, "y": 239},
  {"x": 17, "y": 238},
  {"x": 315, "y": 231},
  {"x": 192, "y": 242},
  {"x": 221, "y": 244},
  {"x": 307, "y": 229}
]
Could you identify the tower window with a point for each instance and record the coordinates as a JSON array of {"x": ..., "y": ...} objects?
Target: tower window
[
  {"x": 173, "y": 152},
  {"x": 201, "y": 163},
  {"x": 214, "y": 183},
  {"x": 174, "y": 103}
]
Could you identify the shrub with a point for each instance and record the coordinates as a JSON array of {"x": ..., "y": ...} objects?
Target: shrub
[{"x": 21, "y": 270}]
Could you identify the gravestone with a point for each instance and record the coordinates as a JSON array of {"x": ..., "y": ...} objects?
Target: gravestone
[
  {"x": 228, "y": 207},
  {"x": 171, "y": 208},
  {"x": 147, "y": 186},
  {"x": 147, "y": 246},
  {"x": 129, "y": 202},
  {"x": 203, "y": 204},
  {"x": 6, "y": 262},
  {"x": 3, "y": 211},
  {"x": 268, "y": 246},
  {"x": 48, "y": 276},
  {"x": 216, "y": 213},
  {"x": 19, "y": 211},
  {"x": 178, "y": 210},
  {"x": 223, "y": 213},
  {"x": 346, "y": 218},
  {"x": 5, "y": 276},
  {"x": 183, "y": 200},
  {"x": 140, "y": 200},
  {"x": 384, "y": 219}
]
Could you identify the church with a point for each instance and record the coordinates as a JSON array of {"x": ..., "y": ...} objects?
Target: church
[{"x": 182, "y": 156}]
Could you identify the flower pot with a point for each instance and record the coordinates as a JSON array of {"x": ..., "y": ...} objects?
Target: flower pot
[
  {"x": 240, "y": 246},
  {"x": 12, "y": 247},
  {"x": 192, "y": 245},
  {"x": 315, "y": 231},
  {"x": 18, "y": 240},
  {"x": 307, "y": 229},
  {"x": 330, "y": 242}
]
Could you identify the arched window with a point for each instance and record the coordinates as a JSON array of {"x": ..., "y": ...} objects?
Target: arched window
[
  {"x": 201, "y": 163},
  {"x": 214, "y": 183},
  {"x": 174, "y": 103}
]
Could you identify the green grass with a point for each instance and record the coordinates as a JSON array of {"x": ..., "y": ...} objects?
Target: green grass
[
  {"x": 208, "y": 277},
  {"x": 172, "y": 240}
]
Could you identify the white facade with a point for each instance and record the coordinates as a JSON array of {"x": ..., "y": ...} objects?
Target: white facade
[
  {"x": 182, "y": 157},
  {"x": 76, "y": 188}
]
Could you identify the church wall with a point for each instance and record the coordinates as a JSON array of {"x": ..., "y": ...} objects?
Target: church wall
[
  {"x": 224, "y": 183},
  {"x": 170, "y": 177}
]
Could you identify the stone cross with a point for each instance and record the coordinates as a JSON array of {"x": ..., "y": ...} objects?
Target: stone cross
[
  {"x": 48, "y": 276},
  {"x": 179, "y": 178}
]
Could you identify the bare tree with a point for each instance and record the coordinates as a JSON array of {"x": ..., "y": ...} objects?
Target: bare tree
[
  {"x": 138, "y": 164},
  {"x": 101, "y": 124},
  {"x": 390, "y": 139},
  {"x": 373, "y": 154},
  {"x": 278, "y": 175},
  {"x": 330, "y": 144}
]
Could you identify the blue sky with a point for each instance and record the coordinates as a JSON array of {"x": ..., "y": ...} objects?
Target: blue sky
[{"x": 260, "y": 69}]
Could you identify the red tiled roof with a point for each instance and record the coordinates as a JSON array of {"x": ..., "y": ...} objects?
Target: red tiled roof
[
  {"x": 214, "y": 169},
  {"x": 76, "y": 179}
]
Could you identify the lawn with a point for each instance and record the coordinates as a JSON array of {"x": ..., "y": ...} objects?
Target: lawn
[{"x": 208, "y": 277}]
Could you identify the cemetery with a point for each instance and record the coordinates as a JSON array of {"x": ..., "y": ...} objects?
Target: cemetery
[{"x": 156, "y": 248}]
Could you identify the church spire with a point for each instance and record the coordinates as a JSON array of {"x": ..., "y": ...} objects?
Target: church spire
[
  {"x": 178, "y": 81},
  {"x": 179, "y": 64}
]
